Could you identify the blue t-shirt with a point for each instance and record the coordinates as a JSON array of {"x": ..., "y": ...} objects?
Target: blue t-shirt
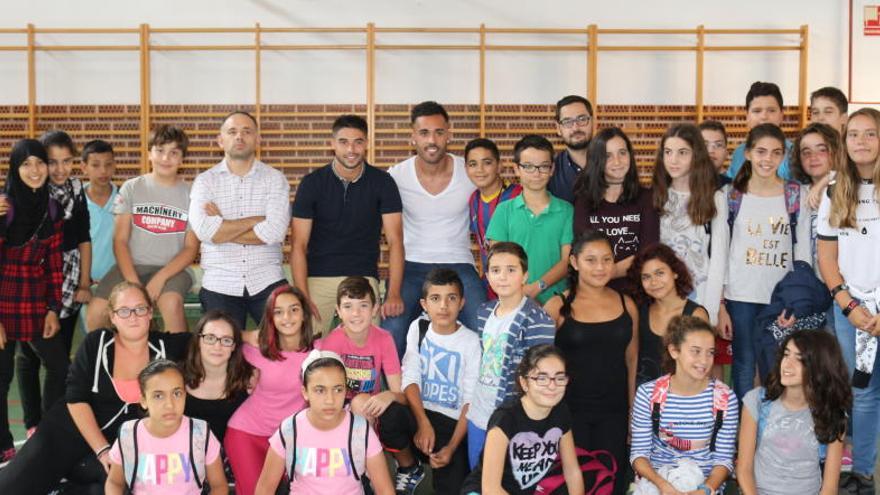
[{"x": 101, "y": 220}]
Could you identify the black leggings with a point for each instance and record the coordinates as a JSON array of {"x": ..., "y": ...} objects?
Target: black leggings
[
  {"x": 27, "y": 372},
  {"x": 604, "y": 432},
  {"x": 397, "y": 426},
  {"x": 51, "y": 454}
]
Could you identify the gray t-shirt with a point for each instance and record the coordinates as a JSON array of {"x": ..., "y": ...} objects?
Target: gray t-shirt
[
  {"x": 159, "y": 218},
  {"x": 787, "y": 458}
]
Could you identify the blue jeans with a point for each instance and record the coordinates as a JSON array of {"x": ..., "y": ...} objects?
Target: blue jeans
[
  {"x": 238, "y": 307},
  {"x": 866, "y": 401},
  {"x": 476, "y": 440},
  {"x": 411, "y": 292},
  {"x": 748, "y": 346}
]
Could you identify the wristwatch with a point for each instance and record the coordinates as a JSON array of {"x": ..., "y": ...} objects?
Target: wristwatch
[
  {"x": 541, "y": 284},
  {"x": 839, "y": 288}
]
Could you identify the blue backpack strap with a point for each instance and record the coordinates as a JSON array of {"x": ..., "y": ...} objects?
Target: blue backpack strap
[
  {"x": 734, "y": 201},
  {"x": 128, "y": 449},
  {"x": 763, "y": 413},
  {"x": 793, "y": 207},
  {"x": 198, "y": 449}
]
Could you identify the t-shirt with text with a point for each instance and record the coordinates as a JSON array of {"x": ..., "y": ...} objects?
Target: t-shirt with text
[
  {"x": 323, "y": 465},
  {"x": 364, "y": 365},
  {"x": 163, "y": 465},
  {"x": 159, "y": 218}
]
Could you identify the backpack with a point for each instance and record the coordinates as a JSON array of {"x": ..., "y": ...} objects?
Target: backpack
[
  {"x": 357, "y": 451},
  {"x": 199, "y": 434},
  {"x": 423, "y": 330},
  {"x": 720, "y": 400},
  {"x": 792, "y": 191}
]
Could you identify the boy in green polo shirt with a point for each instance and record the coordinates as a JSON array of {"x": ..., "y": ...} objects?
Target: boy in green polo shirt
[{"x": 536, "y": 220}]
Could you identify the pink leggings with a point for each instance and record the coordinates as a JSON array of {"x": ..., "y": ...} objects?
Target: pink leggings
[{"x": 246, "y": 454}]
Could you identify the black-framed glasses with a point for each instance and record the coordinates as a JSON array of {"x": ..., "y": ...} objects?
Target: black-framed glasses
[
  {"x": 212, "y": 339},
  {"x": 126, "y": 313},
  {"x": 544, "y": 380},
  {"x": 530, "y": 169},
  {"x": 580, "y": 120}
]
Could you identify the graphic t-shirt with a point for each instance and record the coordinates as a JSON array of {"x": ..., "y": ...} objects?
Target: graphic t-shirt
[
  {"x": 533, "y": 445},
  {"x": 159, "y": 218},
  {"x": 445, "y": 368},
  {"x": 163, "y": 465},
  {"x": 323, "y": 465},
  {"x": 857, "y": 254},
  {"x": 495, "y": 335},
  {"x": 364, "y": 365},
  {"x": 629, "y": 226},
  {"x": 276, "y": 394},
  {"x": 787, "y": 457}
]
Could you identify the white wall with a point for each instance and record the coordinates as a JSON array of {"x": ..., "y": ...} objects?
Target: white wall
[{"x": 407, "y": 76}]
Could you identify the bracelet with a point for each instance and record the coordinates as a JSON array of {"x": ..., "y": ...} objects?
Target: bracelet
[
  {"x": 705, "y": 488},
  {"x": 100, "y": 452},
  {"x": 853, "y": 304},
  {"x": 838, "y": 288}
]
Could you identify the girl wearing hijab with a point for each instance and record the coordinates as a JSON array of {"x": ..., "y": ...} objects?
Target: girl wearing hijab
[{"x": 30, "y": 276}]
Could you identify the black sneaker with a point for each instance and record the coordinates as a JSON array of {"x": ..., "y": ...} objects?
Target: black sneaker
[
  {"x": 856, "y": 484},
  {"x": 406, "y": 481}
]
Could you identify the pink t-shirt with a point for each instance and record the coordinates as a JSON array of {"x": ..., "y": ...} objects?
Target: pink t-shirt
[
  {"x": 322, "y": 462},
  {"x": 363, "y": 365},
  {"x": 277, "y": 395},
  {"x": 163, "y": 463}
]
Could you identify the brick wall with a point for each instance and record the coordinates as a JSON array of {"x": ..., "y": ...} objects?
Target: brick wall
[{"x": 295, "y": 138}]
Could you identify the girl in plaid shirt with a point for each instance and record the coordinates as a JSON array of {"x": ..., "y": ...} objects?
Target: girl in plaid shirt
[{"x": 30, "y": 276}]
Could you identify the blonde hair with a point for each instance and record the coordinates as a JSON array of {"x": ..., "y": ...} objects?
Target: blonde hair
[{"x": 845, "y": 196}]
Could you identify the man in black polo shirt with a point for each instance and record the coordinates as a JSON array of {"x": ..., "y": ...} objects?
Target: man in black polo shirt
[
  {"x": 338, "y": 216},
  {"x": 574, "y": 124}
]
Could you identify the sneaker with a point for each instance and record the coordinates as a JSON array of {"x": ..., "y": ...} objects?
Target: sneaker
[
  {"x": 406, "y": 481},
  {"x": 856, "y": 484},
  {"x": 30, "y": 432},
  {"x": 6, "y": 456}
]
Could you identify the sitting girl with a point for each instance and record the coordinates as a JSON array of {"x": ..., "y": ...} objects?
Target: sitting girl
[
  {"x": 685, "y": 417},
  {"x": 325, "y": 449},
  {"x": 166, "y": 452},
  {"x": 528, "y": 436},
  {"x": 803, "y": 406}
]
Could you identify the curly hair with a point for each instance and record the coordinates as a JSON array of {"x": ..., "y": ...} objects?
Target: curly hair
[
  {"x": 677, "y": 331},
  {"x": 684, "y": 284},
  {"x": 238, "y": 370},
  {"x": 825, "y": 381}
]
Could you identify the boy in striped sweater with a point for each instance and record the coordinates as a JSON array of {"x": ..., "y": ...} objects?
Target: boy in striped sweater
[{"x": 507, "y": 328}]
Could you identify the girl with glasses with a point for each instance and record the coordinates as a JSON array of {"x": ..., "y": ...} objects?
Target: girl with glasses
[
  {"x": 73, "y": 440},
  {"x": 526, "y": 437}
]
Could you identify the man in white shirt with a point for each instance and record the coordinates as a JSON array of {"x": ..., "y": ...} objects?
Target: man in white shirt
[
  {"x": 434, "y": 188},
  {"x": 240, "y": 210}
]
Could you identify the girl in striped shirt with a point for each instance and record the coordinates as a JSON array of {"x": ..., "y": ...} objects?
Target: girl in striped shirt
[{"x": 685, "y": 415}]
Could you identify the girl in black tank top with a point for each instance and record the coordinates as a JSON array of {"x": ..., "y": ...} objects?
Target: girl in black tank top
[
  {"x": 662, "y": 283},
  {"x": 597, "y": 335}
]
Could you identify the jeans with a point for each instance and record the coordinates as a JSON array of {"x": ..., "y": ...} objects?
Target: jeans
[
  {"x": 411, "y": 291},
  {"x": 866, "y": 401},
  {"x": 239, "y": 307},
  {"x": 476, "y": 439},
  {"x": 748, "y": 346}
]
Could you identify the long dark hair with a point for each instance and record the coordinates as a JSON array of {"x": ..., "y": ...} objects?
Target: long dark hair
[
  {"x": 684, "y": 284},
  {"x": 702, "y": 179},
  {"x": 591, "y": 185},
  {"x": 741, "y": 181},
  {"x": 586, "y": 237},
  {"x": 238, "y": 370},
  {"x": 825, "y": 381},
  {"x": 268, "y": 337}
]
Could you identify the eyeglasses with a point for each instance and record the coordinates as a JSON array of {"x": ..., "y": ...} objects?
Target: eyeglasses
[
  {"x": 580, "y": 120},
  {"x": 530, "y": 169},
  {"x": 126, "y": 313},
  {"x": 212, "y": 339},
  {"x": 544, "y": 380}
]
